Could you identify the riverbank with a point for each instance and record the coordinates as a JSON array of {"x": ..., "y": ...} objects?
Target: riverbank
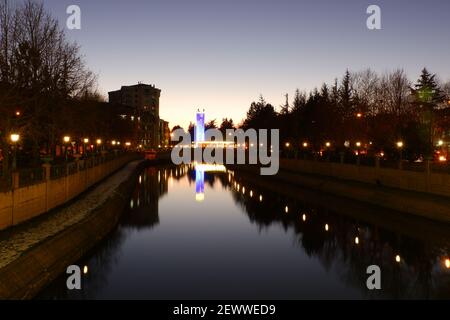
[
  {"x": 35, "y": 253},
  {"x": 425, "y": 205}
]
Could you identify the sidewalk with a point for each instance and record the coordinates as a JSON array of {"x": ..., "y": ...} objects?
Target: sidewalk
[{"x": 16, "y": 241}]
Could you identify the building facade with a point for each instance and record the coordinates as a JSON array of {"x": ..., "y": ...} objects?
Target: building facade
[
  {"x": 143, "y": 99},
  {"x": 164, "y": 133}
]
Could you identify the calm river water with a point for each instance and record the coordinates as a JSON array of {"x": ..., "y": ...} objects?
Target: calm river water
[{"x": 204, "y": 232}]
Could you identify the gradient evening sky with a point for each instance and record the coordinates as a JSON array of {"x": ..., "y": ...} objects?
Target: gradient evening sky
[{"x": 220, "y": 55}]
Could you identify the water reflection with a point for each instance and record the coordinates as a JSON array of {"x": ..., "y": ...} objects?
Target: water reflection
[
  {"x": 169, "y": 246},
  {"x": 414, "y": 265}
]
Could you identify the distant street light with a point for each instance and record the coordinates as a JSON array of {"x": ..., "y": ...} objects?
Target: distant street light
[
  {"x": 99, "y": 141},
  {"x": 358, "y": 144},
  {"x": 328, "y": 144},
  {"x": 305, "y": 144},
  {"x": 287, "y": 144},
  {"x": 359, "y": 115},
  {"x": 66, "y": 140},
  {"x": 400, "y": 147},
  {"x": 440, "y": 143},
  {"x": 85, "y": 142},
  {"x": 14, "y": 139},
  {"x": 18, "y": 113}
]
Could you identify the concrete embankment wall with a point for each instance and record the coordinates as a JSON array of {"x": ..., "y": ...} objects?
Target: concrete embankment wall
[
  {"x": 425, "y": 182},
  {"x": 32, "y": 271},
  {"x": 22, "y": 204},
  {"x": 421, "y": 194}
]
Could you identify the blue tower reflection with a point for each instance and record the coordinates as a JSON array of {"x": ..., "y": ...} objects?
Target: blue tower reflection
[{"x": 199, "y": 183}]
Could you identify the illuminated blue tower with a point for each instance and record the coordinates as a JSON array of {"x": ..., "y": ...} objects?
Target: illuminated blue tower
[{"x": 199, "y": 133}]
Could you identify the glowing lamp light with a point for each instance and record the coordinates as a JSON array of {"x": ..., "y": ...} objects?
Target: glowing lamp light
[
  {"x": 66, "y": 139},
  {"x": 358, "y": 144},
  {"x": 260, "y": 198},
  {"x": 18, "y": 113},
  {"x": 15, "y": 137},
  {"x": 447, "y": 263},
  {"x": 287, "y": 144},
  {"x": 85, "y": 269},
  {"x": 327, "y": 227},
  {"x": 113, "y": 142},
  {"x": 442, "y": 158},
  {"x": 400, "y": 144},
  {"x": 356, "y": 240},
  {"x": 304, "y": 217},
  {"x": 99, "y": 141},
  {"x": 328, "y": 144},
  {"x": 359, "y": 115},
  {"x": 86, "y": 140},
  {"x": 128, "y": 144},
  {"x": 305, "y": 144},
  {"x": 397, "y": 259},
  {"x": 286, "y": 209},
  {"x": 440, "y": 143},
  {"x": 251, "y": 193}
]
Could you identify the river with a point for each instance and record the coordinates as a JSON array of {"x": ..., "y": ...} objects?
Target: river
[{"x": 207, "y": 233}]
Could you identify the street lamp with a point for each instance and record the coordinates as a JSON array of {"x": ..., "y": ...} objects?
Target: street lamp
[
  {"x": 305, "y": 144},
  {"x": 85, "y": 142},
  {"x": 400, "y": 147},
  {"x": 14, "y": 139},
  {"x": 66, "y": 140},
  {"x": 99, "y": 142},
  {"x": 328, "y": 144}
]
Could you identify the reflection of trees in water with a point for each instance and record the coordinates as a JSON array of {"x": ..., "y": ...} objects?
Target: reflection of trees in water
[
  {"x": 420, "y": 273},
  {"x": 141, "y": 212},
  {"x": 153, "y": 184}
]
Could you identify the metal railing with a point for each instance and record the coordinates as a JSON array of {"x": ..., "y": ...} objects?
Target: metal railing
[{"x": 28, "y": 177}]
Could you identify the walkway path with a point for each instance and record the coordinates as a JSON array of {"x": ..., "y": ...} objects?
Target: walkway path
[{"x": 17, "y": 240}]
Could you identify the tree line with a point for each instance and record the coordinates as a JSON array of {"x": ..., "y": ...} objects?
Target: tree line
[
  {"x": 365, "y": 109},
  {"x": 46, "y": 90}
]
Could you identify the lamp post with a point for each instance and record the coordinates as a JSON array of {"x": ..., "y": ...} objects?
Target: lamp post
[
  {"x": 85, "y": 142},
  {"x": 14, "y": 139},
  {"x": 358, "y": 151},
  {"x": 400, "y": 147},
  {"x": 99, "y": 143},
  {"x": 66, "y": 140}
]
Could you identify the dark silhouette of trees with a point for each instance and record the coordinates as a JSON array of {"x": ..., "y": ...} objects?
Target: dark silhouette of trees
[
  {"x": 364, "y": 109},
  {"x": 226, "y": 124},
  {"x": 41, "y": 72}
]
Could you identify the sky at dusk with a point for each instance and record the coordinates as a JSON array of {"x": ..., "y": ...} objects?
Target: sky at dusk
[{"x": 221, "y": 55}]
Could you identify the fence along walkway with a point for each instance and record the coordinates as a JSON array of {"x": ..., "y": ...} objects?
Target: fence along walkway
[{"x": 35, "y": 191}]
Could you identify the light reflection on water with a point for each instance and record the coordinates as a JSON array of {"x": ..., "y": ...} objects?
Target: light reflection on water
[{"x": 245, "y": 241}]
